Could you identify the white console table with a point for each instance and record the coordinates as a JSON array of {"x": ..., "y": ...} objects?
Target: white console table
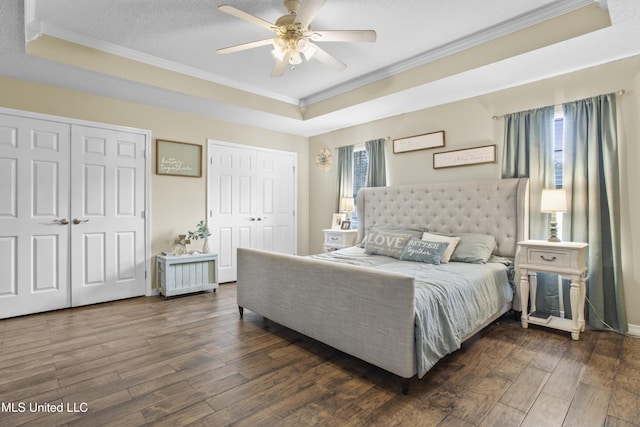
[{"x": 177, "y": 275}]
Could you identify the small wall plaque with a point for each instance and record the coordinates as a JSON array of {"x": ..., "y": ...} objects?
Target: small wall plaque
[{"x": 178, "y": 158}]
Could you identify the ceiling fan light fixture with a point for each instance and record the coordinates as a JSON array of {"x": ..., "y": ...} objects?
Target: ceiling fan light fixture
[{"x": 293, "y": 39}]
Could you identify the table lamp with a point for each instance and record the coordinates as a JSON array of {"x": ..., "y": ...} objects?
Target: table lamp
[{"x": 553, "y": 201}]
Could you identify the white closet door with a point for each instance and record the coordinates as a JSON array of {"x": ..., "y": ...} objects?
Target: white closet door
[
  {"x": 107, "y": 216},
  {"x": 34, "y": 215},
  {"x": 251, "y": 202},
  {"x": 232, "y": 198},
  {"x": 275, "y": 222}
]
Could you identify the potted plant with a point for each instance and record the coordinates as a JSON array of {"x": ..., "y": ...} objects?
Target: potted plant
[{"x": 202, "y": 232}]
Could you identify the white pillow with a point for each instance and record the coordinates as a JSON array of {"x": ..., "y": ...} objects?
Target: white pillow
[{"x": 452, "y": 241}]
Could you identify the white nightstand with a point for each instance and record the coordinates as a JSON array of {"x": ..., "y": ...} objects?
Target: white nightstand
[
  {"x": 567, "y": 259},
  {"x": 338, "y": 239}
]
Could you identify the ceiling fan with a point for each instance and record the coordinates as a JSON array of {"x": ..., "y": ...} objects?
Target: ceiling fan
[{"x": 294, "y": 37}]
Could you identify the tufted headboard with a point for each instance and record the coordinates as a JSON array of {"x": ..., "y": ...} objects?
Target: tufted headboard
[{"x": 497, "y": 207}]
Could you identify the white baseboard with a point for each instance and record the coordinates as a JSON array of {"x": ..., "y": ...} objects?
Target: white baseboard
[{"x": 634, "y": 330}]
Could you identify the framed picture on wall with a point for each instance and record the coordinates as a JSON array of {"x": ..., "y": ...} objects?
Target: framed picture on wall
[
  {"x": 465, "y": 157},
  {"x": 178, "y": 158},
  {"x": 418, "y": 142}
]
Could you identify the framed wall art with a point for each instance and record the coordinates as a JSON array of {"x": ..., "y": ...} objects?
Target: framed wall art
[
  {"x": 465, "y": 157},
  {"x": 178, "y": 158},
  {"x": 419, "y": 142}
]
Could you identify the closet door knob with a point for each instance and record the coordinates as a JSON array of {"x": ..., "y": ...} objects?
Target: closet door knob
[
  {"x": 78, "y": 221},
  {"x": 63, "y": 221}
]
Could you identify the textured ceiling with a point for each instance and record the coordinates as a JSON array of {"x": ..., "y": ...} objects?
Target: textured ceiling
[{"x": 182, "y": 36}]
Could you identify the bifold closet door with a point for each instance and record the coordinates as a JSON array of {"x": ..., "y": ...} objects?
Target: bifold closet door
[{"x": 34, "y": 215}]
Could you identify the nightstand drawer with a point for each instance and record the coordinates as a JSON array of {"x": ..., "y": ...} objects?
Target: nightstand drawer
[
  {"x": 338, "y": 239},
  {"x": 335, "y": 238},
  {"x": 557, "y": 258}
]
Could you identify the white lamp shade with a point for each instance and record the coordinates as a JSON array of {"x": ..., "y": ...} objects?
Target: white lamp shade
[
  {"x": 553, "y": 200},
  {"x": 346, "y": 204}
]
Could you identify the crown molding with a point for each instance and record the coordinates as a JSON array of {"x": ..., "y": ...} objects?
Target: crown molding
[
  {"x": 505, "y": 28},
  {"x": 35, "y": 29}
]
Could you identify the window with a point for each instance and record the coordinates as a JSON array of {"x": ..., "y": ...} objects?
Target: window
[
  {"x": 360, "y": 163},
  {"x": 558, "y": 126},
  {"x": 558, "y": 157}
]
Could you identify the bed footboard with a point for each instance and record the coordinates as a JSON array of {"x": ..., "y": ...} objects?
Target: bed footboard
[{"x": 365, "y": 313}]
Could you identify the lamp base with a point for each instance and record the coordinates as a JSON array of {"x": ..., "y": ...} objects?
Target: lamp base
[{"x": 553, "y": 229}]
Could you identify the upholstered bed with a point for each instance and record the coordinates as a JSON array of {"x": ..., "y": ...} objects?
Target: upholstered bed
[{"x": 391, "y": 311}]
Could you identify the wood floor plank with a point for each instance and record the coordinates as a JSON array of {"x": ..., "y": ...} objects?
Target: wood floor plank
[
  {"x": 548, "y": 410},
  {"x": 523, "y": 391},
  {"x": 192, "y": 360},
  {"x": 589, "y": 406},
  {"x": 502, "y": 415}
]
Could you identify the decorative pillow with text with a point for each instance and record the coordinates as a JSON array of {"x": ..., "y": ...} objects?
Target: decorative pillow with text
[
  {"x": 423, "y": 251},
  {"x": 388, "y": 242}
]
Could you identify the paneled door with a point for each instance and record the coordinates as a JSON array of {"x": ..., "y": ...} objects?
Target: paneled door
[
  {"x": 34, "y": 215},
  {"x": 107, "y": 215},
  {"x": 251, "y": 201},
  {"x": 72, "y": 206}
]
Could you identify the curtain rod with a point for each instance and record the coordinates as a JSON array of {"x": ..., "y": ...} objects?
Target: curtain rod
[
  {"x": 620, "y": 93},
  {"x": 386, "y": 138}
]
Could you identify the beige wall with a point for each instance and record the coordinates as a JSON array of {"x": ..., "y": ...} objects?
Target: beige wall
[
  {"x": 469, "y": 123},
  {"x": 177, "y": 203}
]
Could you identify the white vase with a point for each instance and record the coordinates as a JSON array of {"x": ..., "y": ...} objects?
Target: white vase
[{"x": 205, "y": 246}]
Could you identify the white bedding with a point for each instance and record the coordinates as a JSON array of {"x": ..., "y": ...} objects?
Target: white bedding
[{"x": 451, "y": 300}]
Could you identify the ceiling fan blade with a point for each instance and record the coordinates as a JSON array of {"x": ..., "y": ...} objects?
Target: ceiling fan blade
[
  {"x": 308, "y": 10},
  {"x": 344, "y": 36},
  {"x": 328, "y": 59},
  {"x": 244, "y": 46},
  {"x": 280, "y": 66},
  {"x": 246, "y": 16}
]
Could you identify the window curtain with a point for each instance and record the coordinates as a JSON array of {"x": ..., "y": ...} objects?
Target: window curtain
[
  {"x": 528, "y": 153},
  {"x": 592, "y": 183},
  {"x": 376, "y": 169},
  {"x": 345, "y": 174}
]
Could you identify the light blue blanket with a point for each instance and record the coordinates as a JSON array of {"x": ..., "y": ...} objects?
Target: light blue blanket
[{"x": 451, "y": 300}]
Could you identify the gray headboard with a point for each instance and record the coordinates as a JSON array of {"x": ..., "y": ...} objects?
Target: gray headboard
[{"x": 497, "y": 207}]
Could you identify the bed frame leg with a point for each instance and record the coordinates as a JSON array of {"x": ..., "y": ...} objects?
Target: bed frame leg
[
  {"x": 405, "y": 385},
  {"x": 241, "y": 310}
]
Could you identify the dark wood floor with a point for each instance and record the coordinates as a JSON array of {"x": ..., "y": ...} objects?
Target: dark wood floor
[{"x": 193, "y": 361}]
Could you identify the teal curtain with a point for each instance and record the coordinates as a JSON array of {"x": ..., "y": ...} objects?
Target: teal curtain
[
  {"x": 528, "y": 152},
  {"x": 376, "y": 169},
  {"x": 592, "y": 183},
  {"x": 345, "y": 174}
]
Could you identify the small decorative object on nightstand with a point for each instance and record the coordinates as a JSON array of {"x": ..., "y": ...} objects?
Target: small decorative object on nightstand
[
  {"x": 338, "y": 239},
  {"x": 567, "y": 259}
]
